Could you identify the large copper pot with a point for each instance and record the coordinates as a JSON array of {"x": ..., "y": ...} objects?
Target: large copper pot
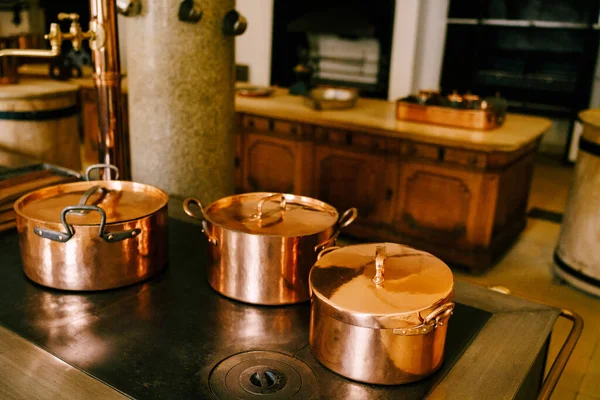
[
  {"x": 92, "y": 235},
  {"x": 262, "y": 245},
  {"x": 379, "y": 312}
]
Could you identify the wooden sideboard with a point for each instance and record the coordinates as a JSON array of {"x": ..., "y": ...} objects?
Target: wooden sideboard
[{"x": 461, "y": 195}]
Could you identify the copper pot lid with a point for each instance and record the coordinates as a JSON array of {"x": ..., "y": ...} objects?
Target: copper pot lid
[
  {"x": 274, "y": 214},
  {"x": 379, "y": 283},
  {"x": 121, "y": 201}
]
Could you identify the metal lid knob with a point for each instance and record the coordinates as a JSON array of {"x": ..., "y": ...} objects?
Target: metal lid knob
[{"x": 380, "y": 255}]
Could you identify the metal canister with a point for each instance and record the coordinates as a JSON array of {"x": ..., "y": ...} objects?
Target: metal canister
[{"x": 576, "y": 258}]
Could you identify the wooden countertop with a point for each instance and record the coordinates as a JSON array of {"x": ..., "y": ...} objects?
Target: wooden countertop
[
  {"x": 372, "y": 115},
  {"x": 378, "y": 115}
]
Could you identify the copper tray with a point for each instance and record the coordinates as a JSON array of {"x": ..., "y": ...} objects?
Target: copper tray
[{"x": 460, "y": 118}]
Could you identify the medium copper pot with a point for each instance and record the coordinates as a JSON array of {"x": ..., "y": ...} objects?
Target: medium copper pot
[
  {"x": 92, "y": 235},
  {"x": 262, "y": 245},
  {"x": 379, "y": 312}
]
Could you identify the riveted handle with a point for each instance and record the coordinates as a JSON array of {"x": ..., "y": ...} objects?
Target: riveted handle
[
  {"x": 64, "y": 237},
  {"x": 345, "y": 219},
  {"x": 437, "y": 317},
  {"x": 380, "y": 256},
  {"x": 89, "y": 169},
  {"x": 186, "y": 207}
]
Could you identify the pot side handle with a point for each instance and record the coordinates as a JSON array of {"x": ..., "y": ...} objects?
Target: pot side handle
[
  {"x": 326, "y": 250},
  {"x": 65, "y": 237},
  {"x": 437, "y": 317},
  {"x": 186, "y": 207},
  {"x": 346, "y": 219},
  {"x": 106, "y": 167}
]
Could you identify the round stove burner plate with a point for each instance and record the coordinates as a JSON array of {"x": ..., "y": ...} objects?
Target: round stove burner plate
[{"x": 264, "y": 374}]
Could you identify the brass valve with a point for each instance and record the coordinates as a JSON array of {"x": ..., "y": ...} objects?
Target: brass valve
[
  {"x": 95, "y": 35},
  {"x": 75, "y": 35}
]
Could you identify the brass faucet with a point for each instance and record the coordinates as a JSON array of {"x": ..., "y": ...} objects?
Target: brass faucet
[
  {"x": 113, "y": 142},
  {"x": 95, "y": 35}
]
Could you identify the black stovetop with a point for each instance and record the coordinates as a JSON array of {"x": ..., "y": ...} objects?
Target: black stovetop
[{"x": 166, "y": 338}]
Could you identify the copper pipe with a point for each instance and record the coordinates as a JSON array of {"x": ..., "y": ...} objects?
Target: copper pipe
[
  {"x": 113, "y": 143},
  {"x": 30, "y": 53}
]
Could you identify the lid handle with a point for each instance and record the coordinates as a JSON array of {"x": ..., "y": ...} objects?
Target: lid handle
[
  {"x": 107, "y": 168},
  {"x": 380, "y": 255},
  {"x": 86, "y": 196},
  {"x": 65, "y": 237},
  {"x": 260, "y": 214},
  {"x": 186, "y": 207}
]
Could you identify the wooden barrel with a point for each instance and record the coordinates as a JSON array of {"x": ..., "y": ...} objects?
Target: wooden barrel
[
  {"x": 40, "y": 119},
  {"x": 576, "y": 258}
]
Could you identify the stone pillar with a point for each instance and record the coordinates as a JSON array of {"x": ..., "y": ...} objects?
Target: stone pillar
[
  {"x": 577, "y": 255},
  {"x": 181, "y": 99}
]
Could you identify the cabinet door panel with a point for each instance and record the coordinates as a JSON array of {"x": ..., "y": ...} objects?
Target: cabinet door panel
[
  {"x": 352, "y": 179},
  {"x": 438, "y": 203},
  {"x": 277, "y": 165}
]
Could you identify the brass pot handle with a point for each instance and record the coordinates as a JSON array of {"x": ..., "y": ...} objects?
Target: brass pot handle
[
  {"x": 435, "y": 318},
  {"x": 345, "y": 219},
  {"x": 380, "y": 256},
  {"x": 563, "y": 356},
  {"x": 261, "y": 203},
  {"x": 327, "y": 250},
  {"x": 65, "y": 237},
  {"x": 186, "y": 207},
  {"x": 99, "y": 166}
]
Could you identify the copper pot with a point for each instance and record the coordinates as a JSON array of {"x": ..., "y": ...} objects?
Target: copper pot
[
  {"x": 262, "y": 245},
  {"x": 92, "y": 235},
  {"x": 379, "y": 312}
]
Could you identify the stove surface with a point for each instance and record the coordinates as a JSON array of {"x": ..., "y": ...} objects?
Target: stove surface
[{"x": 174, "y": 337}]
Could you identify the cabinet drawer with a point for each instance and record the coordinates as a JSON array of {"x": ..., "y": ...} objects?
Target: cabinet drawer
[
  {"x": 368, "y": 142},
  {"x": 465, "y": 157},
  {"x": 256, "y": 123},
  {"x": 421, "y": 150}
]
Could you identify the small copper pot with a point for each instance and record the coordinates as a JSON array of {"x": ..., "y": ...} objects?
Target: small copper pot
[
  {"x": 262, "y": 245},
  {"x": 379, "y": 312},
  {"x": 92, "y": 235}
]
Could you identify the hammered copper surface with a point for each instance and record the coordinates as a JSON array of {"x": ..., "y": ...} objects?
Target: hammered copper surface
[
  {"x": 86, "y": 261},
  {"x": 379, "y": 312},
  {"x": 266, "y": 268},
  {"x": 258, "y": 269},
  {"x": 377, "y": 356}
]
